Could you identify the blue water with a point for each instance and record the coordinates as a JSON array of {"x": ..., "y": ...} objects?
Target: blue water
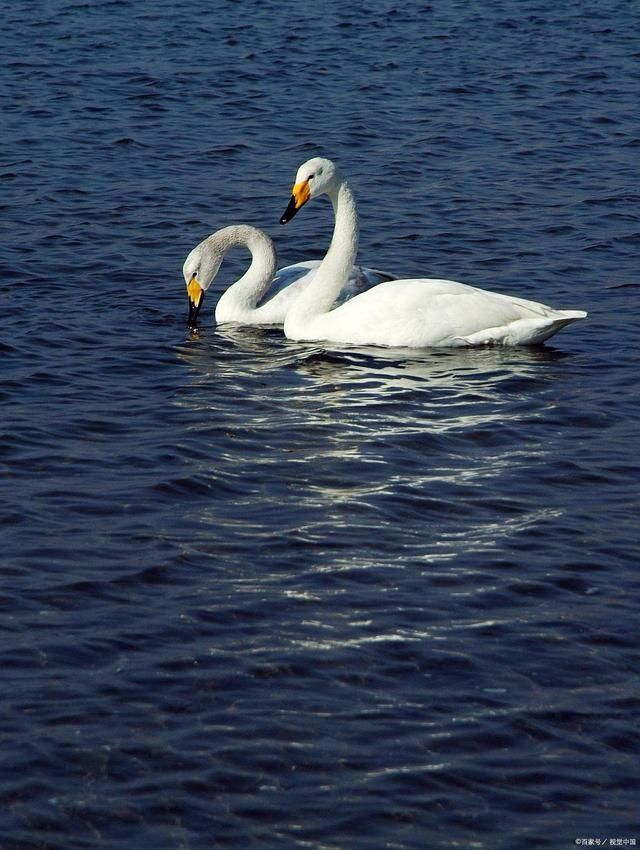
[{"x": 261, "y": 594}]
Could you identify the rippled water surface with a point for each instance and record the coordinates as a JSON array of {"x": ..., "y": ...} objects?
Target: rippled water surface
[{"x": 261, "y": 594}]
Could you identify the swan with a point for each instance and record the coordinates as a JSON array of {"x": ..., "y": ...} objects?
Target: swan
[
  {"x": 263, "y": 295},
  {"x": 413, "y": 312}
]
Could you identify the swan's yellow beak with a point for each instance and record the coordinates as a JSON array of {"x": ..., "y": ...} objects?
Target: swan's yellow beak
[
  {"x": 195, "y": 294},
  {"x": 300, "y": 194}
]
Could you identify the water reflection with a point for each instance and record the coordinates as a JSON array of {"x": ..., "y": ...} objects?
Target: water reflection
[
  {"x": 445, "y": 380},
  {"x": 392, "y": 368},
  {"x": 369, "y": 455}
]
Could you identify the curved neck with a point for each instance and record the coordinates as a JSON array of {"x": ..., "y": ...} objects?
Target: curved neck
[
  {"x": 246, "y": 292},
  {"x": 336, "y": 266}
]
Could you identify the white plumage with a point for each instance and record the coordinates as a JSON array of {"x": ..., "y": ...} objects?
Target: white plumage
[
  {"x": 263, "y": 295},
  {"x": 417, "y": 312}
]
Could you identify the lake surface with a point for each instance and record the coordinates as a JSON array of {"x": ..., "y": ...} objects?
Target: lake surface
[{"x": 262, "y": 594}]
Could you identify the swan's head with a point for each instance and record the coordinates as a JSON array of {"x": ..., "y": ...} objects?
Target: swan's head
[
  {"x": 199, "y": 271},
  {"x": 317, "y": 176}
]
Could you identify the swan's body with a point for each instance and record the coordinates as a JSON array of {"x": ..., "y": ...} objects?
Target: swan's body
[
  {"x": 263, "y": 295},
  {"x": 417, "y": 312}
]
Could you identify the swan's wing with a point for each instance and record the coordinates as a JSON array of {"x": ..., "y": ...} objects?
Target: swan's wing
[
  {"x": 291, "y": 280},
  {"x": 292, "y": 274},
  {"x": 285, "y": 288},
  {"x": 360, "y": 279}
]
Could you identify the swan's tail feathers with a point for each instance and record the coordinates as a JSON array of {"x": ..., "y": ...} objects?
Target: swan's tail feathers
[
  {"x": 553, "y": 325},
  {"x": 524, "y": 331},
  {"x": 574, "y": 315}
]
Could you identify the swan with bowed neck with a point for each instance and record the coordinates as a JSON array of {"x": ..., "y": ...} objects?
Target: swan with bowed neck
[
  {"x": 419, "y": 312},
  {"x": 263, "y": 295}
]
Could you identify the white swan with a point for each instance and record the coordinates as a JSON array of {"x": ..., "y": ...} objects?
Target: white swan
[
  {"x": 262, "y": 296},
  {"x": 416, "y": 312}
]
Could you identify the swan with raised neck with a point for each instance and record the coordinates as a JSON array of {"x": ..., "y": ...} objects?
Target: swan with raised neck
[
  {"x": 416, "y": 312},
  {"x": 316, "y": 177}
]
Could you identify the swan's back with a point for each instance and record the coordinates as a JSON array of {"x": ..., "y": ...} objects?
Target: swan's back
[{"x": 430, "y": 312}]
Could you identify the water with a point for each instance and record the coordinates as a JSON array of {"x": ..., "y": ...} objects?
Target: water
[{"x": 259, "y": 594}]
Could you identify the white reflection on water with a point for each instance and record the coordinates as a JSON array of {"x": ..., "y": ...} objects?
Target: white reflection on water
[{"x": 351, "y": 445}]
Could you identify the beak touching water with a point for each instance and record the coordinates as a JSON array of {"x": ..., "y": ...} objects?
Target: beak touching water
[
  {"x": 300, "y": 194},
  {"x": 195, "y": 294}
]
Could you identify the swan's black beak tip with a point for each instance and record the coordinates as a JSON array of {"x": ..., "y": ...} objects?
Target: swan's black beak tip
[
  {"x": 192, "y": 319},
  {"x": 290, "y": 211}
]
